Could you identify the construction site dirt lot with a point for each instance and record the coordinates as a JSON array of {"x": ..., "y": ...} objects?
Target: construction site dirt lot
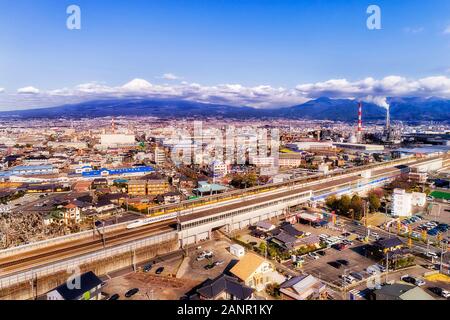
[
  {"x": 151, "y": 286},
  {"x": 193, "y": 269},
  {"x": 180, "y": 274}
]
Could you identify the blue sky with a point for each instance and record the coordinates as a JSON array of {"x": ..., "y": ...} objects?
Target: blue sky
[{"x": 277, "y": 43}]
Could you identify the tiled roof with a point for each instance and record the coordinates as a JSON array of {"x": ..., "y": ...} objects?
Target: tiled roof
[
  {"x": 247, "y": 266},
  {"x": 228, "y": 284}
]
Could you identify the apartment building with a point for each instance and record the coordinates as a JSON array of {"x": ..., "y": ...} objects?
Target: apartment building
[{"x": 137, "y": 188}]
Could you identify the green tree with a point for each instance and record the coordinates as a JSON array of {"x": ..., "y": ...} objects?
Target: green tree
[
  {"x": 273, "y": 289},
  {"x": 374, "y": 202},
  {"x": 357, "y": 205},
  {"x": 332, "y": 202},
  {"x": 345, "y": 204}
]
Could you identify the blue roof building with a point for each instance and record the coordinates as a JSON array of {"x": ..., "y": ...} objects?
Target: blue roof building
[
  {"x": 28, "y": 170},
  {"x": 123, "y": 172},
  {"x": 207, "y": 188}
]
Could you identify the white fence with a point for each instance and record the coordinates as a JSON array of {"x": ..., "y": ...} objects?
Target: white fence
[{"x": 71, "y": 264}]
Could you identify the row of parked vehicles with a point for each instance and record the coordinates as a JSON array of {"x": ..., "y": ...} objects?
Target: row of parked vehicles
[
  {"x": 128, "y": 294},
  {"x": 433, "y": 228},
  {"x": 205, "y": 255}
]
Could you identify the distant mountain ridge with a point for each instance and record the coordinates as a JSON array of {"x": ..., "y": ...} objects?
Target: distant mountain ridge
[{"x": 405, "y": 109}]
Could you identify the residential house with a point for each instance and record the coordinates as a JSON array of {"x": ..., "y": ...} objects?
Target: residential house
[
  {"x": 65, "y": 214},
  {"x": 400, "y": 291},
  {"x": 305, "y": 287},
  {"x": 100, "y": 183},
  {"x": 254, "y": 271},
  {"x": 291, "y": 230},
  {"x": 169, "y": 198},
  {"x": 72, "y": 213},
  {"x": 186, "y": 182},
  {"x": 264, "y": 226},
  {"x": 89, "y": 289},
  {"x": 82, "y": 186},
  {"x": 392, "y": 248},
  {"x": 103, "y": 206},
  {"x": 224, "y": 288},
  {"x": 291, "y": 243}
]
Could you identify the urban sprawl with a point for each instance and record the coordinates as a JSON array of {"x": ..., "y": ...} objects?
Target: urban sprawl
[{"x": 207, "y": 209}]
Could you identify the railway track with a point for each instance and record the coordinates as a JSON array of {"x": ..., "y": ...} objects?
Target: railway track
[{"x": 60, "y": 252}]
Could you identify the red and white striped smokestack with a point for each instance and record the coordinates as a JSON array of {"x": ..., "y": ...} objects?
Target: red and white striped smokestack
[{"x": 360, "y": 118}]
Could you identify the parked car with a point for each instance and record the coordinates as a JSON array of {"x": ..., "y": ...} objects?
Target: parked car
[
  {"x": 147, "y": 268},
  {"x": 323, "y": 236},
  {"x": 347, "y": 279},
  {"x": 313, "y": 255},
  {"x": 412, "y": 280},
  {"x": 346, "y": 234},
  {"x": 343, "y": 262},
  {"x": 357, "y": 275},
  {"x": 335, "y": 264},
  {"x": 347, "y": 242},
  {"x": 316, "y": 225},
  {"x": 322, "y": 253},
  {"x": 339, "y": 246},
  {"x": 159, "y": 270},
  {"x": 131, "y": 292},
  {"x": 208, "y": 254},
  {"x": 408, "y": 279},
  {"x": 381, "y": 267},
  {"x": 209, "y": 266},
  {"x": 219, "y": 263},
  {"x": 114, "y": 297},
  {"x": 440, "y": 292},
  {"x": 432, "y": 255}
]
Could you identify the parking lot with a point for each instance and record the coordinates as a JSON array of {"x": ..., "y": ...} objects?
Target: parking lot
[
  {"x": 430, "y": 225},
  {"x": 200, "y": 269},
  {"x": 322, "y": 269},
  {"x": 178, "y": 276}
]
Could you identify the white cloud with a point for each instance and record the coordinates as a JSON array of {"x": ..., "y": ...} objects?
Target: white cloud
[
  {"x": 170, "y": 76},
  {"x": 2, "y": 90},
  {"x": 376, "y": 91},
  {"x": 262, "y": 96},
  {"x": 28, "y": 90}
]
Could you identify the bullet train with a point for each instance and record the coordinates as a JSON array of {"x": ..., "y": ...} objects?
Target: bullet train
[{"x": 147, "y": 221}]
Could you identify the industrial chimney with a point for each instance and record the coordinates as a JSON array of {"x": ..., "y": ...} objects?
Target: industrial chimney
[
  {"x": 388, "y": 119},
  {"x": 359, "y": 131}
]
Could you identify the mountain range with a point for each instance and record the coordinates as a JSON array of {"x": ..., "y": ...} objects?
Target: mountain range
[{"x": 404, "y": 109}]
